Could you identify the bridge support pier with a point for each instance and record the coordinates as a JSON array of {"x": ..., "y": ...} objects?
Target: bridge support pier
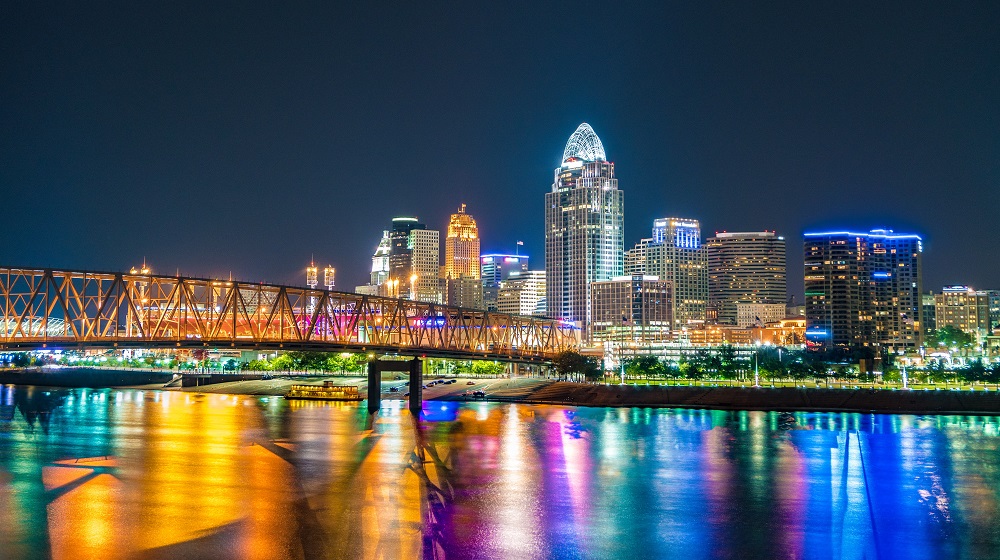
[
  {"x": 374, "y": 386},
  {"x": 416, "y": 387},
  {"x": 415, "y": 369}
]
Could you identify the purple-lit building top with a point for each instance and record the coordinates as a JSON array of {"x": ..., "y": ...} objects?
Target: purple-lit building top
[{"x": 495, "y": 268}]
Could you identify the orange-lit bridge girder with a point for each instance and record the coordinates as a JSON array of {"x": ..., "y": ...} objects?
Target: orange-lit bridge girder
[{"x": 51, "y": 308}]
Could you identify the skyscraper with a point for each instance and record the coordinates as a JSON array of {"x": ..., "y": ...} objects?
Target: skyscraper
[
  {"x": 494, "y": 269},
  {"x": 863, "y": 290},
  {"x": 413, "y": 261},
  {"x": 461, "y": 261},
  {"x": 461, "y": 246},
  {"x": 584, "y": 221},
  {"x": 747, "y": 268},
  {"x": 380, "y": 260},
  {"x": 675, "y": 254}
]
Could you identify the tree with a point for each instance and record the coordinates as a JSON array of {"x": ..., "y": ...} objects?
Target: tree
[
  {"x": 573, "y": 363},
  {"x": 283, "y": 362},
  {"x": 949, "y": 336},
  {"x": 728, "y": 365},
  {"x": 259, "y": 365},
  {"x": 644, "y": 366},
  {"x": 770, "y": 364},
  {"x": 481, "y": 367}
]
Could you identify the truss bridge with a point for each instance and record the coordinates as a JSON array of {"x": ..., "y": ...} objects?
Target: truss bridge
[{"x": 52, "y": 308}]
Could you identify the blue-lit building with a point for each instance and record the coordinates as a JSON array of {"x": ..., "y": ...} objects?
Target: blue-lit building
[
  {"x": 863, "y": 290},
  {"x": 495, "y": 268}
]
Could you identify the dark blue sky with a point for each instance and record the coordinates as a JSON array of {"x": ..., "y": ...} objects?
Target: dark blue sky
[{"x": 218, "y": 137}]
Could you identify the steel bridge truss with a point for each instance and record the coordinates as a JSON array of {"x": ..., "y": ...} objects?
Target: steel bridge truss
[{"x": 46, "y": 308}]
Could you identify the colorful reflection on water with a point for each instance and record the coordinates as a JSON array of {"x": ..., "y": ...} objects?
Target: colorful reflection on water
[{"x": 150, "y": 474}]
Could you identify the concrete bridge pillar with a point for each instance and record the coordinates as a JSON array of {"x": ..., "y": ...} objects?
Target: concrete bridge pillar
[
  {"x": 415, "y": 369},
  {"x": 416, "y": 387},
  {"x": 374, "y": 386}
]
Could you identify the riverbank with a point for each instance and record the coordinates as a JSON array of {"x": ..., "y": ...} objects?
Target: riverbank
[
  {"x": 777, "y": 399},
  {"x": 83, "y": 377},
  {"x": 542, "y": 391}
]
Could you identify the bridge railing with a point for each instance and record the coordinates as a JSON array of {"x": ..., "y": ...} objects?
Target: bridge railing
[{"x": 48, "y": 306}]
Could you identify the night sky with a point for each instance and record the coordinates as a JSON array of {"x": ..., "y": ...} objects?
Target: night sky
[{"x": 216, "y": 137}]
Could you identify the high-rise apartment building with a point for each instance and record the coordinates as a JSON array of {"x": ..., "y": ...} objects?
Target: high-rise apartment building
[
  {"x": 523, "y": 293},
  {"x": 584, "y": 227},
  {"x": 746, "y": 268},
  {"x": 461, "y": 246},
  {"x": 413, "y": 261},
  {"x": 494, "y": 269},
  {"x": 863, "y": 290},
  {"x": 675, "y": 255},
  {"x": 965, "y": 309},
  {"x": 630, "y": 309}
]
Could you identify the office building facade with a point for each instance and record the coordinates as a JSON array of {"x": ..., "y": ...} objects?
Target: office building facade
[
  {"x": 464, "y": 292},
  {"x": 495, "y": 268},
  {"x": 965, "y": 309},
  {"x": 675, "y": 255},
  {"x": 523, "y": 293},
  {"x": 461, "y": 246},
  {"x": 584, "y": 227},
  {"x": 413, "y": 261},
  {"x": 759, "y": 314},
  {"x": 863, "y": 290},
  {"x": 746, "y": 268},
  {"x": 629, "y": 309},
  {"x": 929, "y": 314}
]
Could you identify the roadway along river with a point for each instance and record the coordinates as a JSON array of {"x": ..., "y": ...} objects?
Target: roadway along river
[{"x": 150, "y": 474}]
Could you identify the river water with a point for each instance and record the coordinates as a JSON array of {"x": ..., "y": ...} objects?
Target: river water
[{"x": 149, "y": 474}]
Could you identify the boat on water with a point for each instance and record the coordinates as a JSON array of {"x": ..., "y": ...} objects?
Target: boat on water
[{"x": 325, "y": 392}]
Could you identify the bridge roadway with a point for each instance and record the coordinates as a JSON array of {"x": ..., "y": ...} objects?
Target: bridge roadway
[{"x": 53, "y": 308}]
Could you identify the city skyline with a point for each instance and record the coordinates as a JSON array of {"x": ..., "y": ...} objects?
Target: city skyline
[{"x": 268, "y": 148}]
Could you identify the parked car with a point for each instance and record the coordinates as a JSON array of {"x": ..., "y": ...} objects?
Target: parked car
[
  {"x": 393, "y": 389},
  {"x": 471, "y": 383}
]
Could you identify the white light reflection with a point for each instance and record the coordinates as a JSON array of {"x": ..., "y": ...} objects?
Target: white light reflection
[{"x": 516, "y": 534}]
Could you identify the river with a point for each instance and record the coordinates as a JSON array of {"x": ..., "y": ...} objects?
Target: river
[{"x": 158, "y": 474}]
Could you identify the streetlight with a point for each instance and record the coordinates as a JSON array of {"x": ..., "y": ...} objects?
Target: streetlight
[
  {"x": 756, "y": 371},
  {"x": 621, "y": 348},
  {"x": 413, "y": 286}
]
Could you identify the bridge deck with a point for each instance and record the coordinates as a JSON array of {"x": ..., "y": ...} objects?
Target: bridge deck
[{"x": 47, "y": 308}]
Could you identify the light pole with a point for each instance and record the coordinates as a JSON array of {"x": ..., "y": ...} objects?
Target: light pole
[
  {"x": 621, "y": 349},
  {"x": 756, "y": 371},
  {"x": 413, "y": 286}
]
